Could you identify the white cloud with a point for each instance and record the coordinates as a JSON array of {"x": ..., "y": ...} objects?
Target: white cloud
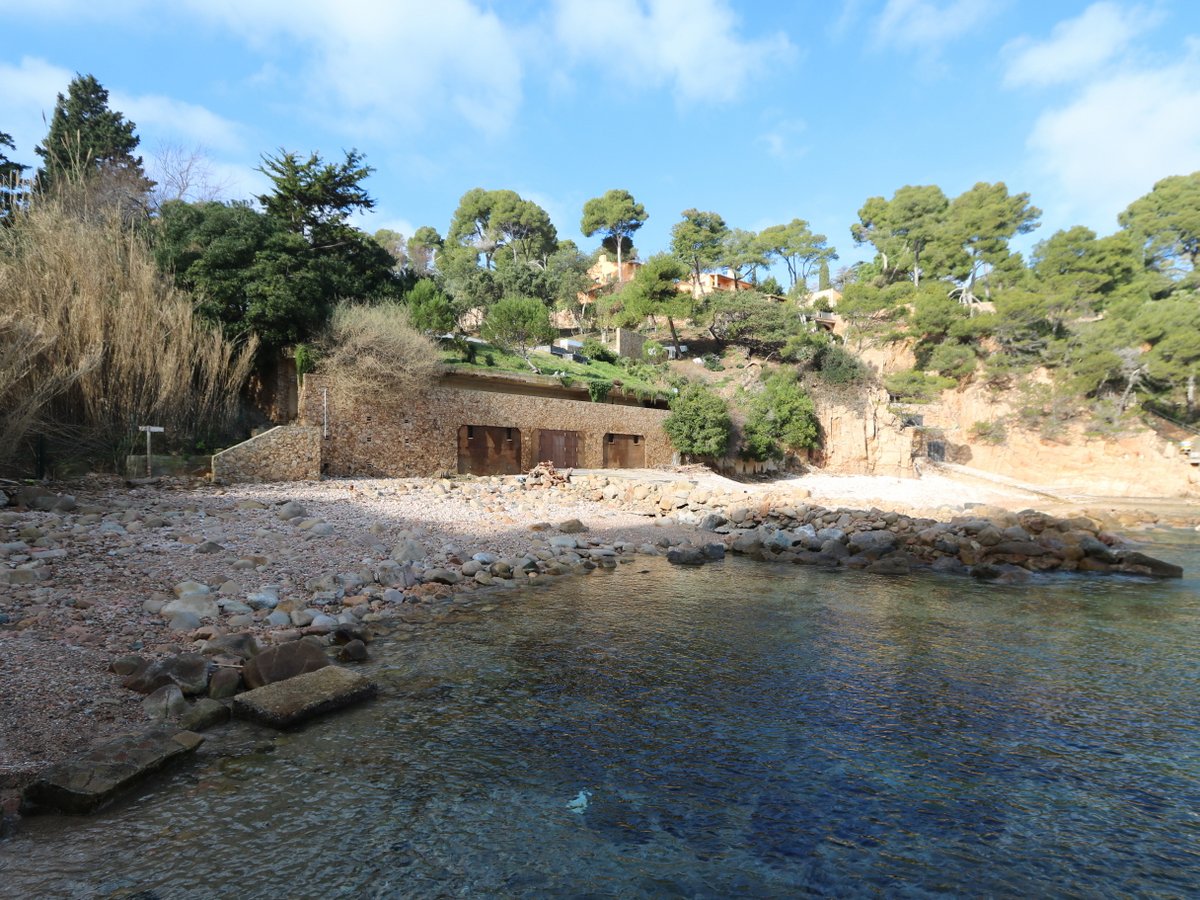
[
  {"x": 382, "y": 63},
  {"x": 781, "y": 137},
  {"x": 30, "y": 90},
  {"x": 927, "y": 26},
  {"x": 170, "y": 118},
  {"x": 1121, "y": 134},
  {"x": 691, "y": 46},
  {"x": 1078, "y": 47}
]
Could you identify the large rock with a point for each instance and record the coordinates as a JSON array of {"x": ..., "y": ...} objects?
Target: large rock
[
  {"x": 203, "y": 606},
  {"x": 1141, "y": 564},
  {"x": 83, "y": 784},
  {"x": 291, "y": 510},
  {"x": 686, "y": 556},
  {"x": 284, "y": 661},
  {"x": 872, "y": 542},
  {"x": 290, "y": 702},
  {"x": 187, "y": 670}
]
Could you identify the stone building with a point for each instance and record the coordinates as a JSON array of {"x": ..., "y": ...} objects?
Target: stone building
[{"x": 482, "y": 424}]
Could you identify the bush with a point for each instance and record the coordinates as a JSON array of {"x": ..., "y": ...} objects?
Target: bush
[
  {"x": 837, "y": 365},
  {"x": 598, "y": 389},
  {"x": 699, "y": 423},
  {"x": 654, "y": 351},
  {"x": 993, "y": 432},
  {"x": 912, "y": 386},
  {"x": 782, "y": 418},
  {"x": 374, "y": 351},
  {"x": 593, "y": 349},
  {"x": 952, "y": 360}
]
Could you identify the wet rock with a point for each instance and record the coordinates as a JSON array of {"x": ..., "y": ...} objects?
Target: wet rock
[
  {"x": 289, "y": 702},
  {"x": 206, "y": 713},
  {"x": 714, "y": 550},
  {"x": 224, "y": 683},
  {"x": 879, "y": 541},
  {"x": 83, "y": 784},
  {"x": 353, "y": 651},
  {"x": 1141, "y": 564},
  {"x": 890, "y": 565},
  {"x": 165, "y": 703},
  {"x": 189, "y": 671},
  {"x": 284, "y": 661},
  {"x": 686, "y": 556},
  {"x": 347, "y": 632}
]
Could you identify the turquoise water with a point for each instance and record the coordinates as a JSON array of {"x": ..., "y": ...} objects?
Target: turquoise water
[{"x": 743, "y": 729}]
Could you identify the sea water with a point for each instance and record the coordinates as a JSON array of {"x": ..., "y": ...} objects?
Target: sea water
[{"x": 743, "y": 729}]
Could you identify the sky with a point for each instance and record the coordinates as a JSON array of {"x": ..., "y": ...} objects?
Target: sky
[{"x": 760, "y": 111}]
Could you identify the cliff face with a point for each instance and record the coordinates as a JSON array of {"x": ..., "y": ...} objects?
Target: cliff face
[{"x": 869, "y": 438}]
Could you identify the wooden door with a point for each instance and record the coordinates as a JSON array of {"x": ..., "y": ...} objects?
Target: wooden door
[
  {"x": 624, "y": 451},
  {"x": 558, "y": 447},
  {"x": 489, "y": 450}
]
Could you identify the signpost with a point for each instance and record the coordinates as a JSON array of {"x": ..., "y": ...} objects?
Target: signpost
[{"x": 149, "y": 429}]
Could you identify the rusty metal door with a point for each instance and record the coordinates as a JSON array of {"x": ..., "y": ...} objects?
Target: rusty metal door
[
  {"x": 558, "y": 447},
  {"x": 624, "y": 451},
  {"x": 489, "y": 450}
]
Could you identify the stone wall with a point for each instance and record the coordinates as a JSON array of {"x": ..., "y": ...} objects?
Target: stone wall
[
  {"x": 417, "y": 434},
  {"x": 285, "y": 453}
]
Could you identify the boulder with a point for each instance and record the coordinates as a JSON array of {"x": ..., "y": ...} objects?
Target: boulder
[
  {"x": 572, "y": 526},
  {"x": 291, "y": 510},
  {"x": 165, "y": 703},
  {"x": 408, "y": 551},
  {"x": 203, "y": 606},
  {"x": 189, "y": 671},
  {"x": 353, "y": 651},
  {"x": 81, "y": 785},
  {"x": 284, "y": 661},
  {"x": 880, "y": 542},
  {"x": 1141, "y": 564},
  {"x": 686, "y": 556},
  {"x": 286, "y": 703},
  {"x": 206, "y": 713},
  {"x": 242, "y": 645},
  {"x": 890, "y": 565},
  {"x": 224, "y": 683}
]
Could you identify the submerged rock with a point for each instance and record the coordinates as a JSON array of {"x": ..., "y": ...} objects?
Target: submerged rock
[{"x": 284, "y": 661}]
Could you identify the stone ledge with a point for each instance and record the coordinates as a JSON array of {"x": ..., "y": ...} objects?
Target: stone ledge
[
  {"x": 84, "y": 784},
  {"x": 289, "y": 702}
]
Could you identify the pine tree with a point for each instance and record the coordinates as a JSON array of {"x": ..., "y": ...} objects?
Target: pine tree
[{"x": 88, "y": 139}]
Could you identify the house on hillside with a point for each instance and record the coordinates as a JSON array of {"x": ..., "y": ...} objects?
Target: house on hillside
[{"x": 713, "y": 281}]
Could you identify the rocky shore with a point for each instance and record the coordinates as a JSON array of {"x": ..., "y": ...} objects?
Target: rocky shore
[{"x": 165, "y": 606}]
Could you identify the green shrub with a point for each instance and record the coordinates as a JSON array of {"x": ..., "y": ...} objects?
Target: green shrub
[
  {"x": 782, "y": 419},
  {"x": 912, "y": 386},
  {"x": 712, "y": 362},
  {"x": 699, "y": 423},
  {"x": 598, "y": 389},
  {"x": 952, "y": 360},
  {"x": 993, "y": 432},
  {"x": 837, "y": 365},
  {"x": 593, "y": 349}
]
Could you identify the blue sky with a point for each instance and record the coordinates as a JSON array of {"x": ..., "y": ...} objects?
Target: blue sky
[{"x": 760, "y": 111}]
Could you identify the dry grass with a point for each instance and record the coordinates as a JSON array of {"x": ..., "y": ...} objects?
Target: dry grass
[
  {"x": 95, "y": 342},
  {"x": 372, "y": 351}
]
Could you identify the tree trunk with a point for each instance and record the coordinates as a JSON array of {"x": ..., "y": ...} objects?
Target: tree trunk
[
  {"x": 620, "y": 273},
  {"x": 674, "y": 335},
  {"x": 1191, "y": 393}
]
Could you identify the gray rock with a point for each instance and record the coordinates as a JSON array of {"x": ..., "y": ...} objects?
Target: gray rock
[
  {"x": 126, "y": 665},
  {"x": 206, "y": 713},
  {"x": 291, "y": 510},
  {"x": 189, "y": 671},
  {"x": 390, "y": 573},
  {"x": 1140, "y": 563},
  {"x": 278, "y": 617},
  {"x": 686, "y": 556},
  {"x": 712, "y": 522},
  {"x": 209, "y": 547},
  {"x": 183, "y": 622},
  {"x": 872, "y": 542},
  {"x": 284, "y": 661},
  {"x": 890, "y": 565},
  {"x": 323, "y": 624},
  {"x": 571, "y": 526},
  {"x": 353, "y": 651},
  {"x": 82, "y": 784},
  {"x": 240, "y": 646},
  {"x": 563, "y": 541},
  {"x": 165, "y": 703},
  {"x": 714, "y": 550},
  {"x": 441, "y": 576},
  {"x": 321, "y": 529},
  {"x": 286, "y": 703},
  {"x": 203, "y": 606},
  {"x": 408, "y": 551},
  {"x": 224, "y": 683}
]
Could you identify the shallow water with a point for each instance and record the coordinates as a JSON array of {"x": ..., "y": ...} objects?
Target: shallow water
[{"x": 744, "y": 729}]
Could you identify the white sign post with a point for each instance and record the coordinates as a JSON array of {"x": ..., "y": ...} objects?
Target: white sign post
[{"x": 149, "y": 429}]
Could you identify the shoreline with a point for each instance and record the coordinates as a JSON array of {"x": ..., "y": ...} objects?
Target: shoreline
[{"x": 99, "y": 570}]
